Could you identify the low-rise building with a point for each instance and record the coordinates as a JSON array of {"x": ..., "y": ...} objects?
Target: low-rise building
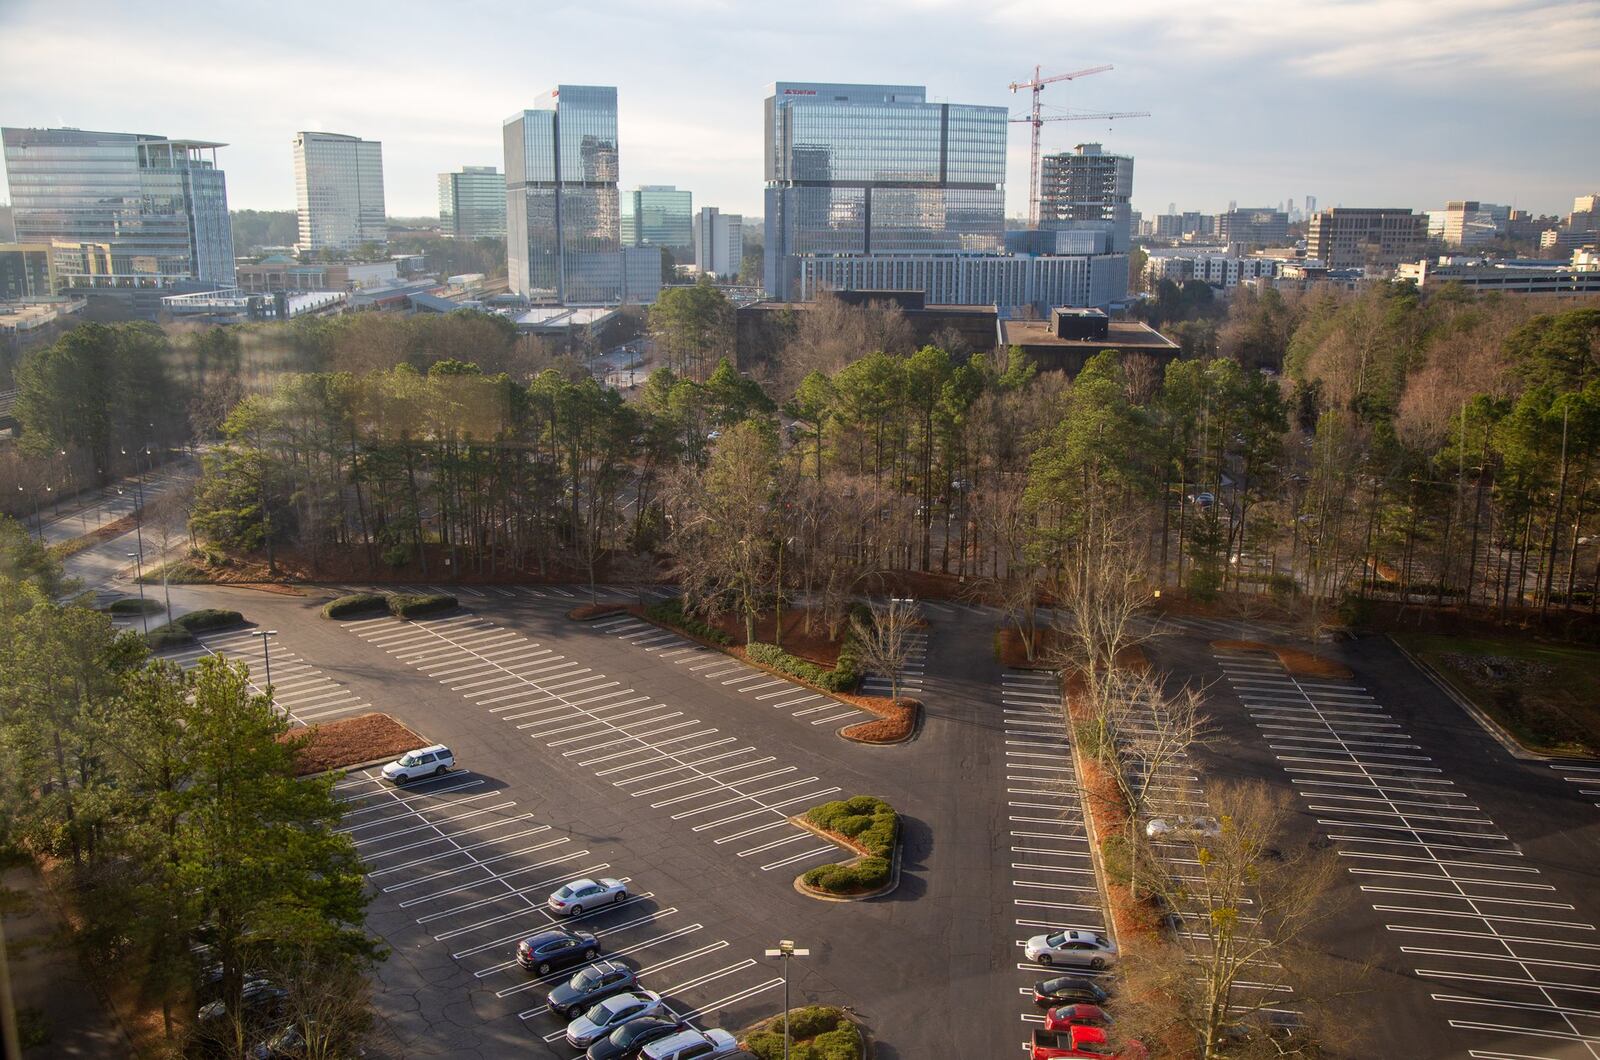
[
  {"x": 1246, "y": 227},
  {"x": 285, "y": 274},
  {"x": 1580, "y": 276},
  {"x": 1071, "y": 336},
  {"x": 1005, "y": 280}
]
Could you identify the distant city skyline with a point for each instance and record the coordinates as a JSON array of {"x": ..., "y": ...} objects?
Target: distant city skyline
[{"x": 1359, "y": 102}]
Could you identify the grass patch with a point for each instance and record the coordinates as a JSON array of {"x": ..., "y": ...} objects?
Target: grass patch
[
  {"x": 816, "y": 1032},
  {"x": 410, "y": 605},
  {"x": 1546, "y": 696},
  {"x": 354, "y": 604}
]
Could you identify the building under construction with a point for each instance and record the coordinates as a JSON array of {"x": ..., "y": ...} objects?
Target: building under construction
[{"x": 1087, "y": 189}]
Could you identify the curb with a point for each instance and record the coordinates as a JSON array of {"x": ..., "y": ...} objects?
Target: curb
[
  {"x": 1501, "y": 735},
  {"x": 916, "y": 730},
  {"x": 1091, "y": 832},
  {"x": 823, "y": 896}
]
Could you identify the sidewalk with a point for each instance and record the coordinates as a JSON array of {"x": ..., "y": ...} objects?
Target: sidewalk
[{"x": 48, "y": 986}]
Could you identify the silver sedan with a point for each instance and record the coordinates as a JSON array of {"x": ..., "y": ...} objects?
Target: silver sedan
[{"x": 571, "y": 899}]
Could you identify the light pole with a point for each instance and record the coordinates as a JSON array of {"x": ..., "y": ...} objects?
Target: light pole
[
  {"x": 266, "y": 653},
  {"x": 786, "y": 949},
  {"x": 138, "y": 579}
]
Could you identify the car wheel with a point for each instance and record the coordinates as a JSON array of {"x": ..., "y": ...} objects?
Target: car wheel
[
  {"x": 1097, "y": 964},
  {"x": 1045, "y": 959},
  {"x": 575, "y": 910},
  {"x": 544, "y": 969},
  {"x": 622, "y": 896},
  {"x": 399, "y": 778},
  {"x": 590, "y": 954},
  {"x": 438, "y": 771}
]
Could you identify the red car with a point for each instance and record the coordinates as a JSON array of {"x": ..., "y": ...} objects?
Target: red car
[
  {"x": 1065, "y": 1017},
  {"x": 1081, "y": 1043}
]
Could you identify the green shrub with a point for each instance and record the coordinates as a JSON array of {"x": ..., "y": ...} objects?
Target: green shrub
[
  {"x": 170, "y": 635},
  {"x": 208, "y": 618},
  {"x": 817, "y": 1032},
  {"x": 354, "y": 604},
  {"x": 866, "y": 819},
  {"x": 411, "y": 605},
  {"x": 671, "y": 613},
  {"x": 133, "y": 605},
  {"x": 843, "y": 677},
  {"x": 865, "y": 875}
]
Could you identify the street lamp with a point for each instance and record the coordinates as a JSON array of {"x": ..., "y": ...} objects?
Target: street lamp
[
  {"x": 786, "y": 949},
  {"x": 138, "y": 579},
  {"x": 266, "y": 653}
]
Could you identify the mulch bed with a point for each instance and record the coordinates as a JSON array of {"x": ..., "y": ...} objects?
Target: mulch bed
[
  {"x": 813, "y": 646},
  {"x": 586, "y": 612},
  {"x": 1012, "y": 653},
  {"x": 1298, "y": 662},
  {"x": 896, "y": 721},
  {"x": 104, "y": 532},
  {"x": 350, "y": 741}
]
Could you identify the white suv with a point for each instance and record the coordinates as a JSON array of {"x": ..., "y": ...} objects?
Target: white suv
[
  {"x": 691, "y": 1045},
  {"x": 423, "y": 762}
]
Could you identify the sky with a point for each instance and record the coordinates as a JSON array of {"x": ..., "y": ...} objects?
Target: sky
[{"x": 1358, "y": 102}]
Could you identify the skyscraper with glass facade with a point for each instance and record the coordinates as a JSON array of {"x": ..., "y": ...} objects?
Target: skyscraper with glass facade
[
  {"x": 563, "y": 226},
  {"x": 338, "y": 184},
  {"x": 658, "y": 215},
  {"x": 121, "y": 210},
  {"x": 472, "y": 203},
  {"x": 877, "y": 169}
]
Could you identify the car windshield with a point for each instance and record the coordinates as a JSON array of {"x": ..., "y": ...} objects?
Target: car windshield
[
  {"x": 1057, "y": 939},
  {"x": 409, "y": 759}
]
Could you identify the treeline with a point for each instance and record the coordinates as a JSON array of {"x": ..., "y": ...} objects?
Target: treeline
[{"x": 195, "y": 858}]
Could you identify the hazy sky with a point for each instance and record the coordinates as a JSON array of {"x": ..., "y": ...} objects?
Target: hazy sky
[{"x": 1360, "y": 102}]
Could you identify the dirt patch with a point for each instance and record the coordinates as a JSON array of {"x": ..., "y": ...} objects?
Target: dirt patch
[
  {"x": 349, "y": 741},
  {"x": 896, "y": 721},
  {"x": 1012, "y": 652},
  {"x": 587, "y": 612},
  {"x": 1297, "y": 661}
]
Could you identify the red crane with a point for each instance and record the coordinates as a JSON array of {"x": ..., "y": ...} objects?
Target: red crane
[{"x": 1037, "y": 120}]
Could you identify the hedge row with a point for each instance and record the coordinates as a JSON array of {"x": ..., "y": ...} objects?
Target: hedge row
[
  {"x": 409, "y": 605},
  {"x": 864, "y": 819},
  {"x": 866, "y": 874},
  {"x": 671, "y": 613},
  {"x": 817, "y": 1032},
  {"x": 133, "y": 605},
  {"x": 770, "y": 655},
  {"x": 354, "y": 604},
  {"x": 181, "y": 630},
  {"x": 168, "y": 636}
]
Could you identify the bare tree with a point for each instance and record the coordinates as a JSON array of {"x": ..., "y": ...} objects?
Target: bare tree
[
  {"x": 887, "y": 641},
  {"x": 327, "y": 1004},
  {"x": 1245, "y": 913},
  {"x": 166, "y": 523}
]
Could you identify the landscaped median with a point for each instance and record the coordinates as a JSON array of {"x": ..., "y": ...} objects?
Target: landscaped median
[
  {"x": 897, "y": 719},
  {"x": 400, "y": 605},
  {"x": 816, "y": 1032},
  {"x": 181, "y": 630},
  {"x": 865, "y": 825},
  {"x": 349, "y": 742}
]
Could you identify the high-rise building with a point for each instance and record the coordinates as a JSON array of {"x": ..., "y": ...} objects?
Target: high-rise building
[
  {"x": 1253, "y": 227},
  {"x": 1344, "y": 237},
  {"x": 121, "y": 210},
  {"x": 718, "y": 242},
  {"x": 1466, "y": 223},
  {"x": 877, "y": 169},
  {"x": 338, "y": 184},
  {"x": 563, "y": 229},
  {"x": 27, "y": 272},
  {"x": 658, "y": 215},
  {"x": 472, "y": 203},
  {"x": 1087, "y": 189}
]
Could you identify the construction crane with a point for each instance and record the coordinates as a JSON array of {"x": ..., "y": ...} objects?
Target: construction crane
[{"x": 1037, "y": 120}]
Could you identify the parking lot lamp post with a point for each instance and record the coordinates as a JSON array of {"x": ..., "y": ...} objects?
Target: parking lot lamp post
[
  {"x": 138, "y": 579},
  {"x": 786, "y": 949},
  {"x": 266, "y": 652}
]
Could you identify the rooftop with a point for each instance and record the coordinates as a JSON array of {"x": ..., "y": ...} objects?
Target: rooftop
[{"x": 1123, "y": 334}]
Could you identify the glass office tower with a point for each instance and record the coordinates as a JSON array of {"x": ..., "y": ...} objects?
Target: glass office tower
[
  {"x": 876, "y": 169},
  {"x": 338, "y": 183},
  {"x": 658, "y": 215},
  {"x": 472, "y": 203},
  {"x": 563, "y": 230},
  {"x": 121, "y": 210}
]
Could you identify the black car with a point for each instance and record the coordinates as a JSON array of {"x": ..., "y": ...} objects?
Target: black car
[
  {"x": 625, "y": 1042},
  {"x": 1070, "y": 990},
  {"x": 594, "y": 983},
  {"x": 556, "y": 948}
]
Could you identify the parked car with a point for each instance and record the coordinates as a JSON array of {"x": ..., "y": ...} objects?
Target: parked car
[
  {"x": 1203, "y": 500},
  {"x": 1081, "y": 1042},
  {"x": 606, "y": 1016},
  {"x": 261, "y": 999},
  {"x": 691, "y": 1045},
  {"x": 570, "y": 899},
  {"x": 1183, "y": 827},
  {"x": 1066, "y": 1016},
  {"x": 556, "y": 948},
  {"x": 1078, "y": 949},
  {"x": 625, "y": 1042},
  {"x": 1070, "y": 990},
  {"x": 423, "y": 762},
  {"x": 594, "y": 983},
  {"x": 287, "y": 1043}
]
